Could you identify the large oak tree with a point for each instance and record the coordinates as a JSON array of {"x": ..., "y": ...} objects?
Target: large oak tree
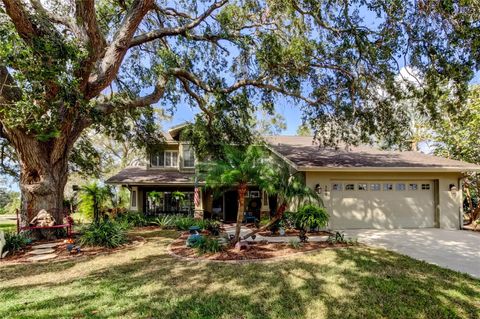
[{"x": 68, "y": 66}]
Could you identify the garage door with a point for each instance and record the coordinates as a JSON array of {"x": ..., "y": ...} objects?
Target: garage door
[{"x": 382, "y": 204}]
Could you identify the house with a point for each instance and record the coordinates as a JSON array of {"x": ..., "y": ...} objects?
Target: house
[{"x": 361, "y": 187}]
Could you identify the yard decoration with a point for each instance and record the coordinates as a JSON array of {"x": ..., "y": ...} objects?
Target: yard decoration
[{"x": 43, "y": 219}]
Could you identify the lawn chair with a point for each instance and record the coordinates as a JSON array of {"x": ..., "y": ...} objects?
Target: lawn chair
[{"x": 249, "y": 218}]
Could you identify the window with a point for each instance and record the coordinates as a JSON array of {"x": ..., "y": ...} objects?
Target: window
[
  {"x": 171, "y": 158},
  {"x": 157, "y": 159},
  {"x": 164, "y": 159},
  {"x": 188, "y": 156},
  {"x": 254, "y": 194},
  {"x": 400, "y": 187},
  {"x": 336, "y": 187},
  {"x": 349, "y": 187},
  {"x": 362, "y": 187},
  {"x": 387, "y": 187},
  {"x": 375, "y": 187},
  {"x": 133, "y": 199},
  {"x": 425, "y": 186},
  {"x": 412, "y": 187}
]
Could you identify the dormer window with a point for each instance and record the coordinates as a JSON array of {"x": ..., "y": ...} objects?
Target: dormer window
[
  {"x": 188, "y": 157},
  {"x": 164, "y": 159}
]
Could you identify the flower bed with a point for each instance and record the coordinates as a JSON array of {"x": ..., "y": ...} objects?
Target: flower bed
[{"x": 256, "y": 250}]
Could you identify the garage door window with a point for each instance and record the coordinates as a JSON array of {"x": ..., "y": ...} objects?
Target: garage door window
[
  {"x": 412, "y": 187},
  {"x": 375, "y": 187},
  {"x": 425, "y": 186},
  {"x": 362, "y": 187},
  {"x": 349, "y": 187},
  {"x": 336, "y": 187},
  {"x": 387, "y": 187},
  {"x": 400, "y": 187}
]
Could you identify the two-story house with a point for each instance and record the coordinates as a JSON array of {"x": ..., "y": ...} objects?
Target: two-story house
[
  {"x": 155, "y": 187},
  {"x": 361, "y": 187}
]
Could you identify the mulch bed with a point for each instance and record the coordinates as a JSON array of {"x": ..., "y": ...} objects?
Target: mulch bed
[
  {"x": 63, "y": 254},
  {"x": 293, "y": 232},
  {"x": 257, "y": 250}
]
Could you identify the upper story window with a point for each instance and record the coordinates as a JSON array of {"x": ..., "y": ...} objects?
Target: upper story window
[
  {"x": 188, "y": 156},
  {"x": 164, "y": 159}
]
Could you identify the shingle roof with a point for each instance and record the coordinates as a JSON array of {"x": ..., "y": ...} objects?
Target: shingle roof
[
  {"x": 140, "y": 175},
  {"x": 301, "y": 151}
]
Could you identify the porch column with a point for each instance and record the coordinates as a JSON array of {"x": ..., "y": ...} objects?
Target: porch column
[
  {"x": 265, "y": 209},
  {"x": 198, "y": 214}
]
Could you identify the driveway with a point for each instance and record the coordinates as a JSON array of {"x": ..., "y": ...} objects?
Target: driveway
[{"x": 454, "y": 249}]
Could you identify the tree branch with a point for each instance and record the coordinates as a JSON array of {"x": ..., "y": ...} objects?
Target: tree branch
[
  {"x": 162, "y": 32},
  {"x": 21, "y": 20},
  {"x": 261, "y": 83},
  {"x": 93, "y": 37},
  {"x": 9, "y": 91},
  {"x": 111, "y": 106},
  {"x": 115, "y": 52}
]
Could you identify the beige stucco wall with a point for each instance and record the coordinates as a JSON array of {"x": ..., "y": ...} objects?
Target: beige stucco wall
[{"x": 448, "y": 208}]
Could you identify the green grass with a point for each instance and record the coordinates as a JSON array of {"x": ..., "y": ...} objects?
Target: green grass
[
  {"x": 8, "y": 225},
  {"x": 146, "y": 282}
]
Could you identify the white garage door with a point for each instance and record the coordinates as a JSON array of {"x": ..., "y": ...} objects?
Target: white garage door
[{"x": 382, "y": 204}]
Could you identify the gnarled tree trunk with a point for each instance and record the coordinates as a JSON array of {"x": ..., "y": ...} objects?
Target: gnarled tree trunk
[{"x": 43, "y": 175}]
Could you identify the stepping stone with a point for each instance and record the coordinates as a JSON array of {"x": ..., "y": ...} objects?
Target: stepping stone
[
  {"x": 48, "y": 245},
  {"x": 41, "y": 251},
  {"x": 42, "y": 257}
]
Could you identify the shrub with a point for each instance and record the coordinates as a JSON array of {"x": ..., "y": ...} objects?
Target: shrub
[
  {"x": 206, "y": 244},
  {"x": 106, "y": 233},
  {"x": 132, "y": 219},
  {"x": 213, "y": 227},
  {"x": 310, "y": 217},
  {"x": 339, "y": 238},
  {"x": 165, "y": 221},
  {"x": 184, "y": 223},
  {"x": 15, "y": 242},
  {"x": 294, "y": 243}
]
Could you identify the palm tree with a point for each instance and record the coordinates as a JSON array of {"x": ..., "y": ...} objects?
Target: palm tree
[
  {"x": 97, "y": 195},
  {"x": 238, "y": 168},
  {"x": 278, "y": 179}
]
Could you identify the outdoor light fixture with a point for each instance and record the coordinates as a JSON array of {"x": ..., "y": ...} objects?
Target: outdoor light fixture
[
  {"x": 318, "y": 189},
  {"x": 453, "y": 189}
]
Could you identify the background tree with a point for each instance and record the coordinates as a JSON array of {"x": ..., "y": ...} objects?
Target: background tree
[
  {"x": 93, "y": 197},
  {"x": 269, "y": 123},
  {"x": 457, "y": 136},
  {"x": 67, "y": 66},
  {"x": 304, "y": 130}
]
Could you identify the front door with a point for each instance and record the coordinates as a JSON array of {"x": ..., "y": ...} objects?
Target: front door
[{"x": 231, "y": 206}]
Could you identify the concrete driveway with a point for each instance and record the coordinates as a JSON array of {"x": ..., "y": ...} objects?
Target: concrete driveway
[{"x": 454, "y": 249}]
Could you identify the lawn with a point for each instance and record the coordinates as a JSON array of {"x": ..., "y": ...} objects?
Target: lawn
[
  {"x": 8, "y": 225},
  {"x": 146, "y": 282}
]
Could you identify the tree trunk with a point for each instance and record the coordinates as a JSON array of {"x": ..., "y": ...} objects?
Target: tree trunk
[
  {"x": 277, "y": 217},
  {"x": 43, "y": 176},
  {"x": 241, "y": 190}
]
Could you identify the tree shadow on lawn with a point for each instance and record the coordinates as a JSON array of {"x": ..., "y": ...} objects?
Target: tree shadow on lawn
[{"x": 335, "y": 283}]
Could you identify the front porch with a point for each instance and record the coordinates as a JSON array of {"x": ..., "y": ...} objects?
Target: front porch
[{"x": 154, "y": 200}]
